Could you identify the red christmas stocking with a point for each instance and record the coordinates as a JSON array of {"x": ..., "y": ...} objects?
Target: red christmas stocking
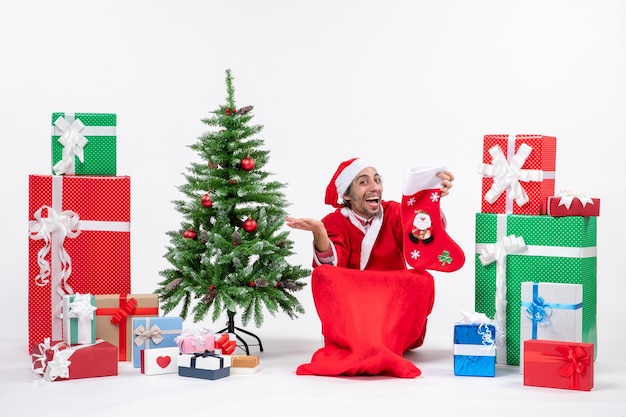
[{"x": 427, "y": 245}]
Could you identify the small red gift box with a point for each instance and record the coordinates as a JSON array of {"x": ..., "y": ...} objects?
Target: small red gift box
[
  {"x": 568, "y": 203},
  {"x": 226, "y": 343},
  {"x": 79, "y": 229},
  {"x": 518, "y": 173},
  {"x": 58, "y": 361},
  {"x": 558, "y": 364}
]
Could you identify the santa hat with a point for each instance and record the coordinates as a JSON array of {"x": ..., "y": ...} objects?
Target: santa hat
[{"x": 346, "y": 172}]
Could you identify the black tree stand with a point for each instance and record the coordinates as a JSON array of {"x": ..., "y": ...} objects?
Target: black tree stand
[{"x": 231, "y": 328}]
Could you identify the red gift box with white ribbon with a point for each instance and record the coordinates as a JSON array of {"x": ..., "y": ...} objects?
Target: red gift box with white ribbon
[
  {"x": 518, "y": 173},
  {"x": 79, "y": 242},
  {"x": 573, "y": 203},
  {"x": 58, "y": 361}
]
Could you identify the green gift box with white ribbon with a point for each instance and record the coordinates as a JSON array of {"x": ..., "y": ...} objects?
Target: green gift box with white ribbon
[
  {"x": 84, "y": 144},
  {"x": 511, "y": 249},
  {"x": 79, "y": 319}
]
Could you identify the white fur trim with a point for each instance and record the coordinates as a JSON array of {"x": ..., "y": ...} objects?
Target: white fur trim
[
  {"x": 345, "y": 178},
  {"x": 422, "y": 178}
]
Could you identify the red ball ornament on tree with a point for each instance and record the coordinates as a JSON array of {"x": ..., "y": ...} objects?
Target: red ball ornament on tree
[
  {"x": 206, "y": 201},
  {"x": 251, "y": 284},
  {"x": 247, "y": 164},
  {"x": 190, "y": 234},
  {"x": 249, "y": 225}
]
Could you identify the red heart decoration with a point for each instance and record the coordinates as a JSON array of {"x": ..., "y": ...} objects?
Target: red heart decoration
[{"x": 163, "y": 361}]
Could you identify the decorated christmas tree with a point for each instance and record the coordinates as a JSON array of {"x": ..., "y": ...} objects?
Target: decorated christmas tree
[{"x": 231, "y": 252}]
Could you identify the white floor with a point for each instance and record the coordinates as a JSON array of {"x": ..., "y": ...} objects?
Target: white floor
[{"x": 276, "y": 390}]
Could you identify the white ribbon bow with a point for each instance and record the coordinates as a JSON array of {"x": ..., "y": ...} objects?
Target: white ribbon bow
[
  {"x": 498, "y": 251},
  {"x": 81, "y": 308},
  {"x": 73, "y": 143},
  {"x": 59, "y": 366},
  {"x": 508, "y": 175},
  {"x": 567, "y": 196},
  {"x": 482, "y": 321},
  {"x": 65, "y": 224}
]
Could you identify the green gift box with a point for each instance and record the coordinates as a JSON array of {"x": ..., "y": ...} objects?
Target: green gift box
[
  {"x": 511, "y": 249},
  {"x": 84, "y": 144}
]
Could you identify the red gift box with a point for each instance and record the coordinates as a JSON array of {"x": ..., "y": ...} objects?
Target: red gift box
[
  {"x": 79, "y": 242},
  {"x": 570, "y": 204},
  {"x": 518, "y": 173},
  {"x": 558, "y": 364},
  {"x": 58, "y": 361}
]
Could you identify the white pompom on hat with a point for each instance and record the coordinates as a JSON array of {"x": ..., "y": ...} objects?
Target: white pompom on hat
[{"x": 345, "y": 174}]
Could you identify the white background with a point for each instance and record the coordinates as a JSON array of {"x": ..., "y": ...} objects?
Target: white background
[{"x": 404, "y": 83}]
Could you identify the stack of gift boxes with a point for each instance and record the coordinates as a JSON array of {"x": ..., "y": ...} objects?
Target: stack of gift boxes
[
  {"x": 82, "y": 317},
  {"x": 535, "y": 264}
]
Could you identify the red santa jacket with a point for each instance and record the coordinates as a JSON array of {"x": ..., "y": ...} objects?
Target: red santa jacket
[{"x": 385, "y": 248}]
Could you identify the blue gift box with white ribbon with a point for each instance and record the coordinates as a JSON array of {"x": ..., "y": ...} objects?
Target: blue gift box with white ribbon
[
  {"x": 475, "y": 349},
  {"x": 550, "y": 311}
]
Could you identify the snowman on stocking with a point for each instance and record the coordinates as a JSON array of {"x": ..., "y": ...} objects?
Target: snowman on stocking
[{"x": 426, "y": 243}]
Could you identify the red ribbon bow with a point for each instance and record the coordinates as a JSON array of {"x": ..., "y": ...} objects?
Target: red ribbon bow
[
  {"x": 576, "y": 360},
  {"x": 123, "y": 312},
  {"x": 225, "y": 343}
]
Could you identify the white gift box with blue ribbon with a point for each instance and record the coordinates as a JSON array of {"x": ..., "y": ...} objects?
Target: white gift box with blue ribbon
[
  {"x": 475, "y": 349},
  {"x": 550, "y": 311}
]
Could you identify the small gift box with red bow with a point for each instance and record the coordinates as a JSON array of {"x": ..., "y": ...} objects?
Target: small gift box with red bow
[
  {"x": 571, "y": 203},
  {"x": 154, "y": 332},
  {"x": 159, "y": 361},
  {"x": 79, "y": 319},
  {"x": 57, "y": 361},
  {"x": 196, "y": 340},
  {"x": 225, "y": 344},
  {"x": 205, "y": 365},
  {"x": 558, "y": 364}
]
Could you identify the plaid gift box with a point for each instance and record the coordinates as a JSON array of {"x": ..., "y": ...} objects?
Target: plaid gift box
[
  {"x": 511, "y": 249},
  {"x": 518, "y": 173},
  {"x": 84, "y": 143},
  {"x": 77, "y": 244}
]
